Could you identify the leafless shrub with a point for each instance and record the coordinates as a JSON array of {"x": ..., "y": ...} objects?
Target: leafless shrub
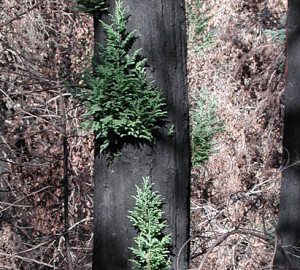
[{"x": 42, "y": 44}]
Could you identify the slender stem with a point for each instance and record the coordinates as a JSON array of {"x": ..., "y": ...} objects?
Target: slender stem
[
  {"x": 65, "y": 184},
  {"x": 66, "y": 203}
]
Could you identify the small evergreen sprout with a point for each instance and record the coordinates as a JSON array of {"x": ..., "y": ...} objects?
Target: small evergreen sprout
[
  {"x": 205, "y": 126},
  {"x": 93, "y": 7},
  {"x": 152, "y": 252},
  {"x": 121, "y": 104}
]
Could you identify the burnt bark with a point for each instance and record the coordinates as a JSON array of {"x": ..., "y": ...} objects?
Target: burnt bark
[
  {"x": 288, "y": 229},
  {"x": 161, "y": 32}
]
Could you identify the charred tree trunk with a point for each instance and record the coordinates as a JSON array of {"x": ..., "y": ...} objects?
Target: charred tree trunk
[
  {"x": 288, "y": 230},
  {"x": 161, "y": 32}
]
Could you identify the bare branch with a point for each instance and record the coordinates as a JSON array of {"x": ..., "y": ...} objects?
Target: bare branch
[{"x": 18, "y": 16}]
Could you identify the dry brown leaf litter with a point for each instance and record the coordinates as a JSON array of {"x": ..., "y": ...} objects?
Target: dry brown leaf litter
[{"x": 238, "y": 187}]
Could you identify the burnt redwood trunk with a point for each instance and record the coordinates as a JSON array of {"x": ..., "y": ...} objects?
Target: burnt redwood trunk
[
  {"x": 161, "y": 32},
  {"x": 288, "y": 230}
]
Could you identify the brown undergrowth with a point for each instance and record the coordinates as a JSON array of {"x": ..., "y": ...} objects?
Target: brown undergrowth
[
  {"x": 45, "y": 160},
  {"x": 235, "y": 193}
]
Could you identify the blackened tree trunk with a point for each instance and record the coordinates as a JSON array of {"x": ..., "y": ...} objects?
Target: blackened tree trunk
[
  {"x": 161, "y": 29},
  {"x": 288, "y": 230}
]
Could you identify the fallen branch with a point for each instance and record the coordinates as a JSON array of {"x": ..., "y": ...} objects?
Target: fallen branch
[
  {"x": 223, "y": 237},
  {"x": 18, "y": 16},
  {"x": 26, "y": 259}
]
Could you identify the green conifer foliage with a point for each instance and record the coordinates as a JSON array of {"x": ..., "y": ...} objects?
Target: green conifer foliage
[
  {"x": 205, "y": 126},
  {"x": 93, "y": 7},
  {"x": 121, "y": 104},
  {"x": 152, "y": 245}
]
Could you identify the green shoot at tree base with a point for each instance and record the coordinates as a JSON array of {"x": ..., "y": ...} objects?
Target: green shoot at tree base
[{"x": 152, "y": 251}]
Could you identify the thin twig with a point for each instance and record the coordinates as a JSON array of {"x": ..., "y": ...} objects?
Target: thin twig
[
  {"x": 27, "y": 259},
  {"x": 32, "y": 193},
  {"x": 79, "y": 222},
  {"x": 18, "y": 16},
  {"x": 180, "y": 250},
  {"x": 222, "y": 238}
]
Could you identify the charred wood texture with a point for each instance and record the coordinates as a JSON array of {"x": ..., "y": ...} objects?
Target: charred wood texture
[
  {"x": 288, "y": 233},
  {"x": 161, "y": 32}
]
